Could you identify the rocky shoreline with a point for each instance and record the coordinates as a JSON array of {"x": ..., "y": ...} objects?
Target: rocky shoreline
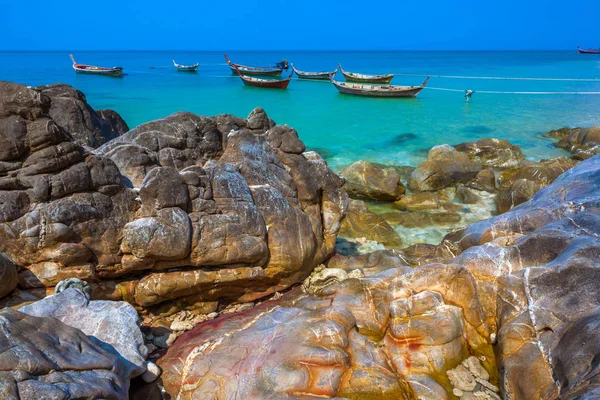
[{"x": 114, "y": 242}]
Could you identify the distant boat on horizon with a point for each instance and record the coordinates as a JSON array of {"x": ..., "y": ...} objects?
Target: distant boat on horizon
[
  {"x": 95, "y": 70},
  {"x": 588, "y": 51},
  {"x": 186, "y": 68}
]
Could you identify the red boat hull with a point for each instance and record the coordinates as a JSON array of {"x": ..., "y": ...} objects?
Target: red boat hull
[
  {"x": 265, "y": 83},
  {"x": 275, "y": 84}
]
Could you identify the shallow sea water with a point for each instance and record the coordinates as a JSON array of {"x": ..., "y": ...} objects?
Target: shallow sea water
[{"x": 345, "y": 128}]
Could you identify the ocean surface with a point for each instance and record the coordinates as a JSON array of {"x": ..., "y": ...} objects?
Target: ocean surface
[{"x": 345, "y": 128}]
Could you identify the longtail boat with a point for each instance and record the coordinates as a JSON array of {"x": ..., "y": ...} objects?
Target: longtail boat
[
  {"x": 322, "y": 76},
  {"x": 354, "y": 77},
  {"x": 588, "y": 51},
  {"x": 265, "y": 83},
  {"x": 244, "y": 69},
  {"x": 185, "y": 68},
  {"x": 378, "y": 90},
  {"x": 92, "y": 69}
]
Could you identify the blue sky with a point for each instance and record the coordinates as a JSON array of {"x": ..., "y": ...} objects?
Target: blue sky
[{"x": 299, "y": 25}]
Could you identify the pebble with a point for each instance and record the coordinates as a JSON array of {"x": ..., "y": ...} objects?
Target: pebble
[{"x": 152, "y": 372}]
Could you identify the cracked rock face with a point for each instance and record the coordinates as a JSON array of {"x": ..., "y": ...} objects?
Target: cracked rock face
[
  {"x": 42, "y": 358},
  {"x": 511, "y": 305},
  {"x": 211, "y": 207},
  {"x": 112, "y": 325},
  {"x": 69, "y": 109}
]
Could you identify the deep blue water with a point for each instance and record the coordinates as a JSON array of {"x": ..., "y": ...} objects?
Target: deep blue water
[{"x": 345, "y": 128}]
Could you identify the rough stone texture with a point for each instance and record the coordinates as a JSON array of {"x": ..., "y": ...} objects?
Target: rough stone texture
[
  {"x": 522, "y": 282},
  {"x": 8, "y": 276},
  {"x": 465, "y": 163},
  {"x": 112, "y": 325},
  {"x": 371, "y": 181},
  {"x": 518, "y": 185},
  {"x": 582, "y": 142},
  {"x": 42, "y": 358},
  {"x": 444, "y": 166},
  {"x": 492, "y": 153},
  {"x": 71, "y": 112},
  {"x": 418, "y": 202},
  {"x": 117, "y": 123},
  {"x": 213, "y": 207},
  {"x": 362, "y": 223}
]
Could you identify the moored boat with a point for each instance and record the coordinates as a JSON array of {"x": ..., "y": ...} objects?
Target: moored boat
[
  {"x": 323, "y": 76},
  {"x": 588, "y": 51},
  {"x": 265, "y": 83},
  {"x": 363, "y": 78},
  {"x": 186, "y": 68},
  {"x": 94, "y": 70},
  {"x": 378, "y": 90},
  {"x": 246, "y": 70}
]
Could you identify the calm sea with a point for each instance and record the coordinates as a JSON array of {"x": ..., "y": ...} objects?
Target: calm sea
[{"x": 344, "y": 128}]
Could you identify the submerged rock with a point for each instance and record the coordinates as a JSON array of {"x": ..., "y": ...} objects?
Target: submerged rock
[{"x": 359, "y": 222}]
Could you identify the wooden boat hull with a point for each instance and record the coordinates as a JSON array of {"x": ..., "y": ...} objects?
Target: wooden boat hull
[
  {"x": 93, "y": 70},
  {"x": 588, "y": 51},
  {"x": 387, "y": 91},
  {"x": 186, "y": 68},
  {"x": 265, "y": 83},
  {"x": 320, "y": 76},
  {"x": 363, "y": 78},
  {"x": 253, "y": 71}
]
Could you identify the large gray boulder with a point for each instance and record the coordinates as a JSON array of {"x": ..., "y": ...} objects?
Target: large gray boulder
[
  {"x": 112, "y": 325},
  {"x": 43, "y": 358}
]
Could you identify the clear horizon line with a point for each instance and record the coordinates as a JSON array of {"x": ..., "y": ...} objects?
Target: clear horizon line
[{"x": 273, "y": 50}]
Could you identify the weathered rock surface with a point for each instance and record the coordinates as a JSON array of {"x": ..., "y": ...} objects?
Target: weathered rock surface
[
  {"x": 492, "y": 153},
  {"x": 521, "y": 285},
  {"x": 69, "y": 109},
  {"x": 447, "y": 165},
  {"x": 117, "y": 123},
  {"x": 520, "y": 184},
  {"x": 212, "y": 207},
  {"x": 8, "y": 276},
  {"x": 362, "y": 223},
  {"x": 444, "y": 166},
  {"x": 582, "y": 142},
  {"x": 42, "y": 358},
  {"x": 112, "y": 325},
  {"x": 371, "y": 181}
]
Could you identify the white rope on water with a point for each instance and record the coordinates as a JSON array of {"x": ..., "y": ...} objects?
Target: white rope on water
[
  {"x": 507, "y": 78},
  {"x": 500, "y": 92}
]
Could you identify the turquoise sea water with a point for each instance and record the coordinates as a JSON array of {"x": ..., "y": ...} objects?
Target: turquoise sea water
[{"x": 345, "y": 128}]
